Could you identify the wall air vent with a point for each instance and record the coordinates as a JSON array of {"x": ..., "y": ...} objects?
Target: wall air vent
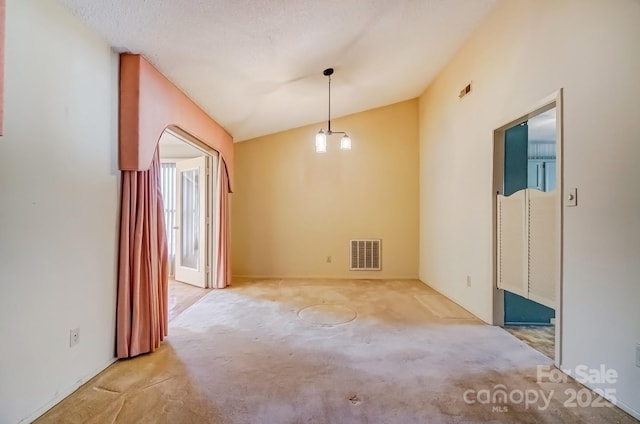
[
  {"x": 466, "y": 90},
  {"x": 365, "y": 255}
]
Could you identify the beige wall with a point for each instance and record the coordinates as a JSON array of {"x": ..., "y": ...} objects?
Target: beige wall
[
  {"x": 59, "y": 214},
  {"x": 523, "y": 52},
  {"x": 293, "y": 207}
]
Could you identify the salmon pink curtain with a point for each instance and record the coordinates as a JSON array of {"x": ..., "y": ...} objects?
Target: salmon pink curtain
[
  {"x": 142, "y": 314},
  {"x": 223, "y": 278}
]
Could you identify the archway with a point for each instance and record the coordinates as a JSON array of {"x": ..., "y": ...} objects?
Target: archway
[{"x": 149, "y": 104}]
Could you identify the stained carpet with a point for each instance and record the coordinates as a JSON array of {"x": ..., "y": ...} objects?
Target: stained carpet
[{"x": 326, "y": 351}]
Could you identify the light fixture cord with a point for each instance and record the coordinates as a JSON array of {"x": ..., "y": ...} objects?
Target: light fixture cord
[{"x": 329, "y": 120}]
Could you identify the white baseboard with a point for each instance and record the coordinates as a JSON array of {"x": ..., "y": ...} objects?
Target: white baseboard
[
  {"x": 64, "y": 393},
  {"x": 623, "y": 406},
  {"x": 354, "y": 276},
  {"x": 629, "y": 410}
]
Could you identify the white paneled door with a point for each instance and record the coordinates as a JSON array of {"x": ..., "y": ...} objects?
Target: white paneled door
[{"x": 191, "y": 215}]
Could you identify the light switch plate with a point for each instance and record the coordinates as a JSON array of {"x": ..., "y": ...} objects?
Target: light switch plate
[
  {"x": 638, "y": 355},
  {"x": 572, "y": 197}
]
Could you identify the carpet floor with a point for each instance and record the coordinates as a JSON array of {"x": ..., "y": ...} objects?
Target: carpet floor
[{"x": 329, "y": 351}]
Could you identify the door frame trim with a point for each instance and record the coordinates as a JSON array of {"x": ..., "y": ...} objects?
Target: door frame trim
[
  {"x": 555, "y": 99},
  {"x": 212, "y": 220}
]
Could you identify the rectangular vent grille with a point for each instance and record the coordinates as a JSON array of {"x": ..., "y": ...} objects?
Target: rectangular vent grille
[{"x": 365, "y": 255}]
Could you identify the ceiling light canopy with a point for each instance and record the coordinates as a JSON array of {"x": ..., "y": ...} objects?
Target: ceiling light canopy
[{"x": 321, "y": 137}]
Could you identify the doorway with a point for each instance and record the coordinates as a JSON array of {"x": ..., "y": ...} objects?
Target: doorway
[
  {"x": 527, "y": 226},
  {"x": 530, "y": 163},
  {"x": 188, "y": 176}
]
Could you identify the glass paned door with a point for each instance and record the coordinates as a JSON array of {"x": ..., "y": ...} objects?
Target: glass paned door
[{"x": 191, "y": 220}]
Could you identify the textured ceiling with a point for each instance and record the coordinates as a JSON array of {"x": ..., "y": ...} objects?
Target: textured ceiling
[{"x": 256, "y": 65}]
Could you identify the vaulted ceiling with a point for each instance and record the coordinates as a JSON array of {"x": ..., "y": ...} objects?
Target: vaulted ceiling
[{"x": 256, "y": 65}]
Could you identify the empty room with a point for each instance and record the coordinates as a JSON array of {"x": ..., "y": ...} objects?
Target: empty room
[{"x": 290, "y": 211}]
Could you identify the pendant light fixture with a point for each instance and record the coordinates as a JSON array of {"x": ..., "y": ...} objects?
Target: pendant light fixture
[{"x": 321, "y": 137}]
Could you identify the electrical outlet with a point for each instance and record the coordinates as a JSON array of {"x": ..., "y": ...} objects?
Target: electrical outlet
[
  {"x": 468, "y": 281},
  {"x": 328, "y": 259},
  {"x": 74, "y": 337},
  {"x": 638, "y": 355}
]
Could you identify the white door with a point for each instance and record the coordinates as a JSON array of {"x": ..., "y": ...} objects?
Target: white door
[{"x": 191, "y": 214}]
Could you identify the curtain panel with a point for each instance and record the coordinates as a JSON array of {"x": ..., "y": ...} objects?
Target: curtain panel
[
  {"x": 223, "y": 279},
  {"x": 142, "y": 307}
]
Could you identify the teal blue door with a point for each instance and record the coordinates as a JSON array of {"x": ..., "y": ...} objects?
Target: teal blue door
[{"x": 516, "y": 162}]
